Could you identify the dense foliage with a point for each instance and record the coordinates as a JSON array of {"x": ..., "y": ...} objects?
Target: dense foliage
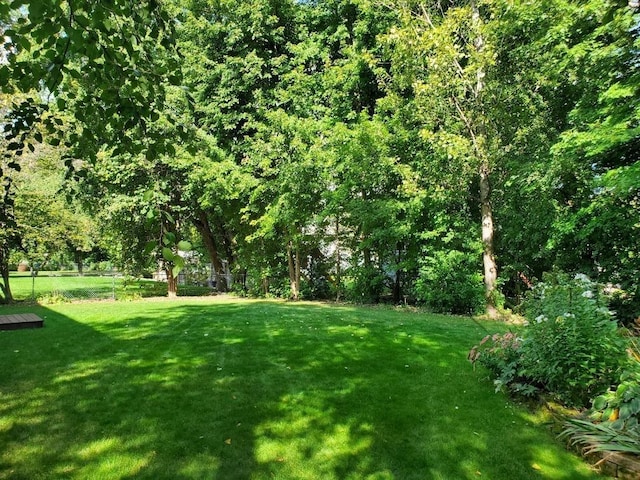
[
  {"x": 445, "y": 153},
  {"x": 613, "y": 424},
  {"x": 570, "y": 348}
]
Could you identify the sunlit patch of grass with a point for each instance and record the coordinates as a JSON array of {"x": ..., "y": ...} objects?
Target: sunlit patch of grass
[{"x": 234, "y": 389}]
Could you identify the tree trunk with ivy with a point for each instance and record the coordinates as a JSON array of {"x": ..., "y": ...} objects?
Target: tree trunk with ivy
[{"x": 7, "y": 296}]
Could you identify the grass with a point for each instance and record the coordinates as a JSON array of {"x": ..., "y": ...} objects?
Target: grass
[
  {"x": 231, "y": 389},
  {"x": 53, "y": 287}
]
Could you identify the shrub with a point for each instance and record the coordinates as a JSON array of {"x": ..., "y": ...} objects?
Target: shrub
[
  {"x": 501, "y": 354},
  {"x": 614, "y": 423},
  {"x": 572, "y": 346},
  {"x": 450, "y": 282},
  {"x": 621, "y": 405},
  {"x": 54, "y": 298},
  {"x": 626, "y": 305},
  {"x": 367, "y": 285}
]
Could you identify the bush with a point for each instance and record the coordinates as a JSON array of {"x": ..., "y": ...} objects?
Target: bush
[
  {"x": 621, "y": 405},
  {"x": 501, "y": 354},
  {"x": 450, "y": 282},
  {"x": 626, "y": 305},
  {"x": 366, "y": 286},
  {"x": 572, "y": 346},
  {"x": 614, "y": 423}
]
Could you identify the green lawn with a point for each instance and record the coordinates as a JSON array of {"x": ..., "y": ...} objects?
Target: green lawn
[
  {"x": 56, "y": 286},
  {"x": 232, "y": 389}
]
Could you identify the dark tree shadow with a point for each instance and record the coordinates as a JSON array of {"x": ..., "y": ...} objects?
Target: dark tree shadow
[{"x": 253, "y": 390}]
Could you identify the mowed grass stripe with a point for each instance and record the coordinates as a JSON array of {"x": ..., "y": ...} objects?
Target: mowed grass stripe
[{"x": 233, "y": 389}]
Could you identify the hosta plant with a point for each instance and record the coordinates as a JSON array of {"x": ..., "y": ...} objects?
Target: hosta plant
[{"x": 614, "y": 423}]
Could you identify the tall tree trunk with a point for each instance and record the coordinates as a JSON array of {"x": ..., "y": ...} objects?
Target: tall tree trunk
[
  {"x": 297, "y": 271},
  {"x": 172, "y": 283},
  {"x": 168, "y": 225},
  {"x": 79, "y": 256},
  {"x": 373, "y": 292},
  {"x": 488, "y": 258},
  {"x": 204, "y": 229},
  {"x": 228, "y": 242},
  {"x": 397, "y": 290},
  {"x": 474, "y": 121},
  {"x": 293, "y": 271},
  {"x": 397, "y": 282},
  {"x": 338, "y": 261},
  {"x": 479, "y": 140}
]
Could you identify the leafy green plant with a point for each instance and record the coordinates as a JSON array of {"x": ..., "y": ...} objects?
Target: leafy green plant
[
  {"x": 622, "y": 404},
  {"x": 501, "y": 354},
  {"x": 367, "y": 285},
  {"x": 626, "y": 304},
  {"x": 602, "y": 437},
  {"x": 614, "y": 422},
  {"x": 570, "y": 348},
  {"x": 53, "y": 298},
  {"x": 572, "y": 345},
  {"x": 450, "y": 282}
]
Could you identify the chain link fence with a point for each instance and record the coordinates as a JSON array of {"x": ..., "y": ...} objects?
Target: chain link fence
[
  {"x": 54, "y": 287},
  {"x": 72, "y": 286}
]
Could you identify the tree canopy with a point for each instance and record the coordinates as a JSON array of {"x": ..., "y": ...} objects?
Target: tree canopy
[{"x": 445, "y": 153}]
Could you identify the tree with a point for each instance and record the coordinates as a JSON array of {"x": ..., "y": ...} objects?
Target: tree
[
  {"x": 287, "y": 163},
  {"x": 123, "y": 52},
  {"x": 595, "y": 169},
  {"x": 48, "y": 225},
  {"x": 141, "y": 206},
  {"x": 235, "y": 53},
  {"x": 368, "y": 201},
  {"x": 441, "y": 54}
]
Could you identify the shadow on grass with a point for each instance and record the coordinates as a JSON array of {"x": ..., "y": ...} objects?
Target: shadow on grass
[{"x": 257, "y": 390}]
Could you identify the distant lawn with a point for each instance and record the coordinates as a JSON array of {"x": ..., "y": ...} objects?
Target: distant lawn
[
  {"x": 226, "y": 389},
  {"x": 53, "y": 286}
]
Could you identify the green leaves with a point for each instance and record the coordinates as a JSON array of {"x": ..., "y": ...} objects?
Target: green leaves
[
  {"x": 184, "y": 246},
  {"x": 175, "y": 261},
  {"x": 178, "y": 265},
  {"x": 173, "y": 258},
  {"x": 167, "y": 254},
  {"x": 112, "y": 60}
]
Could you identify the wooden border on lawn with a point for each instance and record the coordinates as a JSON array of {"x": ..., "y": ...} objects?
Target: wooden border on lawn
[{"x": 20, "y": 320}]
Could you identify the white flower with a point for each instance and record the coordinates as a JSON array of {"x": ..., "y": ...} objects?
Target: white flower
[
  {"x": 540, "y": 319},
  {"x": 569, "y": 315},
  {"x": 587, "y": 294},
  {"x": 582, "y": 277}
]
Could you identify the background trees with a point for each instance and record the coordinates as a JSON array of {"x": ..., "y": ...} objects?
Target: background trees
[{"x": 400, "y": 150}]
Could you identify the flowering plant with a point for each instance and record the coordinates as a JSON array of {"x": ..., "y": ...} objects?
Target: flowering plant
[
  {"x": 572, "y": 344},
  {"x": 500, "y": 353}
]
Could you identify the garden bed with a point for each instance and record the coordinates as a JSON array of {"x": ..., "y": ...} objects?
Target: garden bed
[{"x": 616, "y": 465}]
